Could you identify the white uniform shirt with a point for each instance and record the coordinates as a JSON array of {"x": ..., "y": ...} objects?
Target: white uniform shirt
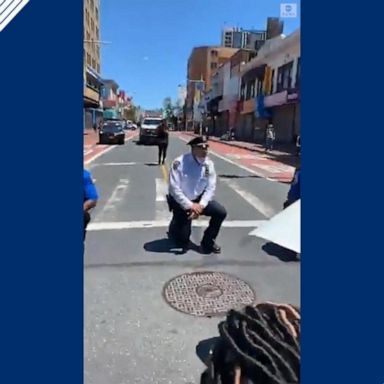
[{"x": 188, "y": 179}]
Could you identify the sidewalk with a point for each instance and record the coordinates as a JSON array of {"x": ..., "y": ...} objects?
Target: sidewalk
[
  {"x": 280, "y": 156},
  {"x": 255, "y": 161},
  {"x": 91, "y": 138}
]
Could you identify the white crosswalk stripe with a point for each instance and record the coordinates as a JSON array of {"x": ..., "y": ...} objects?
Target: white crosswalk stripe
[
  {"x": 118, "y": 225},
  {"x": 251, "y": 199},
  {"x": 162, "y": 211},
  {"x": 112, "y": 217}
]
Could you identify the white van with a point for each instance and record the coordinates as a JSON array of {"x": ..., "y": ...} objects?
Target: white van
[{"x": 148, "y": 130}]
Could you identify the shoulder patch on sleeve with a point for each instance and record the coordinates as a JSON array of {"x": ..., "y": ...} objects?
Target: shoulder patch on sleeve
[
  {"x": 207, "y": 170},
  {"x": 176, "y": 164}
]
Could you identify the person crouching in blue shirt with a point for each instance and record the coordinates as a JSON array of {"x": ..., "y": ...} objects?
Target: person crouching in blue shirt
[
  {"x": 294, "y": 191},
  {"x": 90, "y": 198}
]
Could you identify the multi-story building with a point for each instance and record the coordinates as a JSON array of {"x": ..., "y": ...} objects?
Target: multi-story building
[
  {"x": 251, "y": 39},
  {"x": 243, "y": 39},
  {"x": 110, "y": 98},
  {"x": 269, "y": 91},
  {"x": 92, "y": 80},
  {"x": 227, "y": 99},
  {"x": 202, "y": 63},
  {"x": 92, "y": 34}
]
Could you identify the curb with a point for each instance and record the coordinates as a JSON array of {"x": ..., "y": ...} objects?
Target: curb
[{"x": 234, "y": 145}]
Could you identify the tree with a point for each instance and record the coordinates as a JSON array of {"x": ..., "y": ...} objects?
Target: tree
[
  {"x": 131, "y": 113},
  {"x": 168, "y": 108}
]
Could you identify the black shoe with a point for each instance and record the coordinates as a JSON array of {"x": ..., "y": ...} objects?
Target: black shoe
[{"x": 214, "y": 248}]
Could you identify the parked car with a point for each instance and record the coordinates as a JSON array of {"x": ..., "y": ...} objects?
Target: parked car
[
  {"x": 112, "y": 132},
  {"x": 130, "y": 125}
]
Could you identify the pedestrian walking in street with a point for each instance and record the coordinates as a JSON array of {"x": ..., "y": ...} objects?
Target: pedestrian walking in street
[
  {"x": 270, "y": 138},
  {"x": 192, "y": 184},
  {"x": 90, "y": 198},
  {"x": 162, "y": 139}
]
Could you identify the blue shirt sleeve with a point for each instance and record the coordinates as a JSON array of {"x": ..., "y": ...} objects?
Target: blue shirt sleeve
[
  {"x": 294, "y": 191},
  {"x": 90, "y": 192}
]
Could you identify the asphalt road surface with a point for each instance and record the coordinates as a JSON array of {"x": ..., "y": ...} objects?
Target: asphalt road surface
[{"x": 131, "y": 334}]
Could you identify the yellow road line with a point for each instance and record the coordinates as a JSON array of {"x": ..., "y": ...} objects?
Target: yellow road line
[{"x": 165, "y": 172}]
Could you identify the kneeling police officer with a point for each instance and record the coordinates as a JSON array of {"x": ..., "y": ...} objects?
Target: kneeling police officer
[{"x": 192, "y": 184}]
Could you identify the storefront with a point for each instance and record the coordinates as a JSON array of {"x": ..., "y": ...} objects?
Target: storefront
[
  {"x": 91, "y": 98},
  {"x": 285, "y": 109}
]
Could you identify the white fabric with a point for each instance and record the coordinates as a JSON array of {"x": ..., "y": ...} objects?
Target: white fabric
[{"x": 283, "y": 229}]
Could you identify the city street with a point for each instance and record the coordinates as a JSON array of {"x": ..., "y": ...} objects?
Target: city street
[{"x": 131, "y": 334}]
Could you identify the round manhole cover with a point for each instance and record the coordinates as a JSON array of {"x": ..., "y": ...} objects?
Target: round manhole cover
[{"x": 207, "y": 293}]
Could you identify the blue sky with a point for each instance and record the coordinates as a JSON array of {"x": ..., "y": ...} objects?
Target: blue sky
[{"x": 151, "y": 40}]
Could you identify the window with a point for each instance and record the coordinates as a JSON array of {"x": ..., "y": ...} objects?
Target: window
[
  {"x": 273, "y": 81},
  {"x": 260, "y": 84},
  {"x": 213, "y": 65},
  {"x": 97, "y": 33},
  {"x": 250, "y": 90},
  {"x": 88, "y": 59},
  {"x": 297, "y": 85},
  {"x": 92, "y": 25},
  {"x": 258, "y": 44},
  {"x": 93, "y": 63},
  {"x": 214, "y": 53},
  {"x": 97, "y": 13},
  {"x": 284, "y": 77},
  {"x": 253, "y": 89},
  {"x": 98, "y": 68},
  {"x": 242, "y": 92}
]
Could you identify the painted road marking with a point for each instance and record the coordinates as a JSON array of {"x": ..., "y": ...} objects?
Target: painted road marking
[
  {"x": 251, "y": 199},
  {"x": 161, "y": 190},
  {"x": 109, "y": 211},
  {"x": 211, "y": 152},
  {"x": 250, "y": 170},
  {"x": 115, "y": 164},
  {"x": 119, "y": 225},
  {"x": 165, "y": 172},
  {"x": 106, "y": 150},
  {"x": 103, "y": 152},
  {"x": 162, "y": 212}
]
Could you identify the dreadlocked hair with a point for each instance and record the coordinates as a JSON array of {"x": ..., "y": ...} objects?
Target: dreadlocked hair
[{"x": 258, "y": 345}]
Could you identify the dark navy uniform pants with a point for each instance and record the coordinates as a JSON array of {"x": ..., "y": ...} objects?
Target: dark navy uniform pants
[
  {"x": 180, "y": 226},
  {"x": 87, "y": 219}
]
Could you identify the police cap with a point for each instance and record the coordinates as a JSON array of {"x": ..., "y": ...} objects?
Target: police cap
[{"x": 199, "y": 141}]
